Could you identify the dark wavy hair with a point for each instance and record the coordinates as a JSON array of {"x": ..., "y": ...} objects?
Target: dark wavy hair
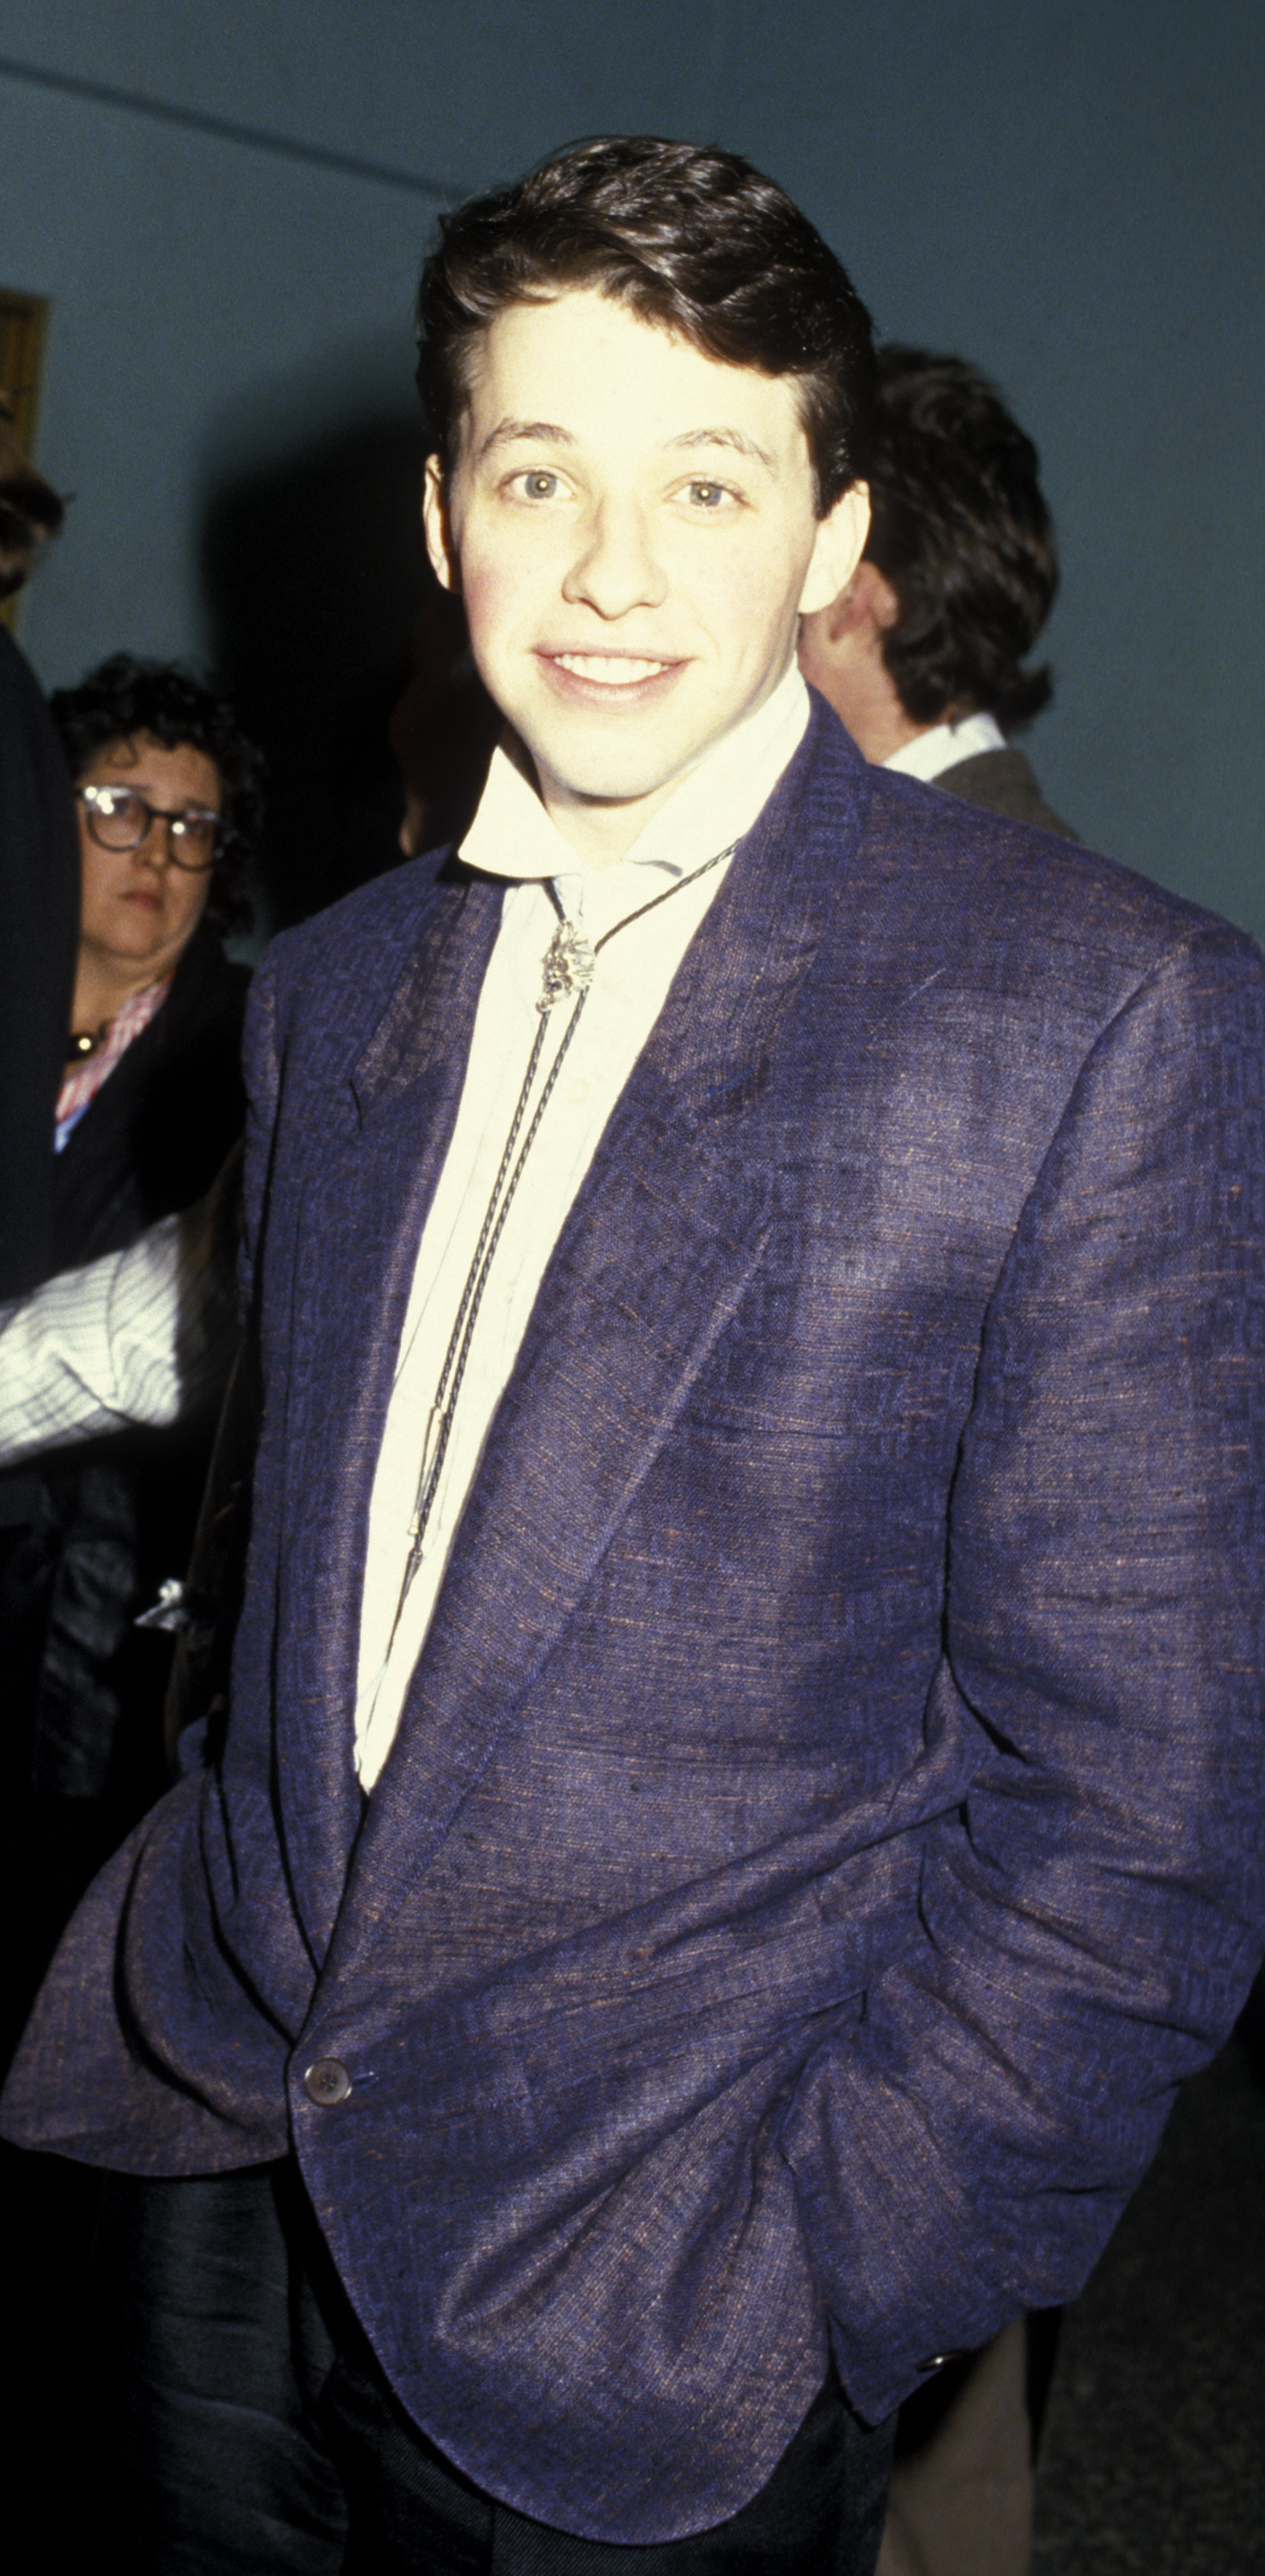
[
  {"x": 960, "y": 529},
  {"x": 686, "y": 236},
  {"x": 30, "y": 511},
  {"x": 123, "y": 698}
]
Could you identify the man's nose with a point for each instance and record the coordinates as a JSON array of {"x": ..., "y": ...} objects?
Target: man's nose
[{"x": 616, "y": 568}]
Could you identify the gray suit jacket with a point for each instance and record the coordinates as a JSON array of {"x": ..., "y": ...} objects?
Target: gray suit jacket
[{"x": 1003, "y": 782}]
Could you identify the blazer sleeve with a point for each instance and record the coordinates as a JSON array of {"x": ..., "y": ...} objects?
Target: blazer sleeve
[{"x": 1092, "y": 1915}]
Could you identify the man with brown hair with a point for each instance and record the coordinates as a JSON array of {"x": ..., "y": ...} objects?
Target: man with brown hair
[
  {"x": 923, "y": 652},
  {"x": 729, "y": 1823}
]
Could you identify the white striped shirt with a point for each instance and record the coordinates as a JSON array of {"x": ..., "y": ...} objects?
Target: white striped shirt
[{"x": 145, "y": 1335}]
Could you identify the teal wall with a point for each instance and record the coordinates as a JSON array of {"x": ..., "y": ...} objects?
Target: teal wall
[{"x": 1067, "y": 191}]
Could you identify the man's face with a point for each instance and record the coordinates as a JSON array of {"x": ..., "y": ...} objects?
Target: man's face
[{"x": 631, "y": 527}]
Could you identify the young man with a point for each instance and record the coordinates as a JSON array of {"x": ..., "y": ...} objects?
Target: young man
[
  {"x": 922, "y": 653},
  {"x": 736, "y": 1810}
]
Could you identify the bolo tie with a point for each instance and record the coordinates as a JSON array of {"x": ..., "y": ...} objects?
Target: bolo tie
[{"x": 567, "y": 969}]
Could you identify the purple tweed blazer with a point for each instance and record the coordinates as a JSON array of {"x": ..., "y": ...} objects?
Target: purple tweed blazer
[{"x": 826, "y": 1821}]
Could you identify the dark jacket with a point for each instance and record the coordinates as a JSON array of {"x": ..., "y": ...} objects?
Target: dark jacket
[
  {"x": 158, "y": 1130},
  {"x": 825, "y": 1821},
  {"x": 39, "y": 922},
  {"x": 106, "y": 1522},
  {"x": 1003, "y": 782},
  {"x": 121, "y": 1511}
]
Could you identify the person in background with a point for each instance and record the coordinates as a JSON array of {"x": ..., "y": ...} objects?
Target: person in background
[
  {"x": 922, "y": 656},
  {"x": 922, "y": 652},
  {"x": 39, "y": 910},
  {"x": 167, "y": 792},
  {"x": 39, "y": 899},
  {"x": 443, "y": 729},
  {"x": 143, "y": 1101}
]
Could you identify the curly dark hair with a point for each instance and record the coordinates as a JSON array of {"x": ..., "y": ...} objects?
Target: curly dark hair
[
  {"x": 123, "y": 698},
  {"x": 960, "y": 529},
  {"x": 30, "y": 510},
  {"x": 686, "y": 236}
]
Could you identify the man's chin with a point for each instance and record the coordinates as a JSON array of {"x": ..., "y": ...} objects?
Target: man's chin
[
  {"x": 612, "y": 778},
  {"x": 607, "y": 801}
]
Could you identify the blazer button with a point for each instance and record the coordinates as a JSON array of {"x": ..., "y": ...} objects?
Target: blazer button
[
  {"x": 327, "y": 2082},
  {"x": 935, "y": 2360}
]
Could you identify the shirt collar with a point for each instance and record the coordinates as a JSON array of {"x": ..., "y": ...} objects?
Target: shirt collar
[
  {"x": 512, "y": 835},
  {"x": 945, "y": 744}
]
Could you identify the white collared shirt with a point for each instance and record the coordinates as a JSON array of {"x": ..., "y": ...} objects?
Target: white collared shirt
[
  {"x": 512, "y": 837},
  {"x": 943, "y": 745}
]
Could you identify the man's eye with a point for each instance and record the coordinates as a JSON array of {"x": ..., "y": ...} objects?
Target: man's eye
[
  {"x": 539, "y": 484},
  {"x": 708, "y": 496}
]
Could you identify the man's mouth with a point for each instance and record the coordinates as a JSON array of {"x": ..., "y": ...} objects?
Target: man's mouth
[{"x": 610, "y": 670}]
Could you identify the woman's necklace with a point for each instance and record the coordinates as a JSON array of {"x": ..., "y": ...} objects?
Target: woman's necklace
[
  {"x": 568, "y": 967},
  {"x": 85, "y": 1042}
]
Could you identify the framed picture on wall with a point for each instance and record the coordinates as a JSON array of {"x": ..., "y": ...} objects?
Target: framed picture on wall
[{"x": 22, "y": 324}]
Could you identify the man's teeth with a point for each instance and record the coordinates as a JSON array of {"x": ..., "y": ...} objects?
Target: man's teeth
[{"x": 617, "y": 670}]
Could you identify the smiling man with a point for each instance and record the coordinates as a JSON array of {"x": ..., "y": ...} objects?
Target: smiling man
[
  {"x": 634, "y": 529},
  {"x": 740, "y": 1795}
]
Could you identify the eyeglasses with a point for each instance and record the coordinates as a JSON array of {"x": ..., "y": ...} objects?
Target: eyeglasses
[{"x": 119, "y": 819}]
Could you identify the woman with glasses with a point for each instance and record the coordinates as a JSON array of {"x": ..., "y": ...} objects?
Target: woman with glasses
[{"x": 167, "y": 794}]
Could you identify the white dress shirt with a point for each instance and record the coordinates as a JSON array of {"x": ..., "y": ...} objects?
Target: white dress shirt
[
  {"x": 943, "y": 745},
  {"x": 512, "y": 837}
]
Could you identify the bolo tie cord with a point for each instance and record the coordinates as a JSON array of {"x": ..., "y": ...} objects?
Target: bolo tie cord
[{"x": 567, "y": 968}]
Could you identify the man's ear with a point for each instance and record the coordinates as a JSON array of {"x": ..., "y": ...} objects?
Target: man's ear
[
  {"x": 868, "y": 600},
  {"x": 836, "y": 549},
  {"x": 437, "y": 522}
]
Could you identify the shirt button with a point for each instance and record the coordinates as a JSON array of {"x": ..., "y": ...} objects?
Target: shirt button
[
  {"x": 327, "y": 2082},
  {"x": 577, "y": 1089}
]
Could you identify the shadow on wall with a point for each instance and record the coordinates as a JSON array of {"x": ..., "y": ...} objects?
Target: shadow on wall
[{"x": 314, "y": 573}]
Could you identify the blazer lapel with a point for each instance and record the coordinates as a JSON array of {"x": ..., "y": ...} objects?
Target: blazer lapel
[{"x": 371, "y": 1172}]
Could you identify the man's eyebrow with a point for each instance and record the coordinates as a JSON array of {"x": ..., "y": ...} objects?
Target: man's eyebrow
[
  {"x": 545, "y": 433},
  {"x": 738, "y": 438}
]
